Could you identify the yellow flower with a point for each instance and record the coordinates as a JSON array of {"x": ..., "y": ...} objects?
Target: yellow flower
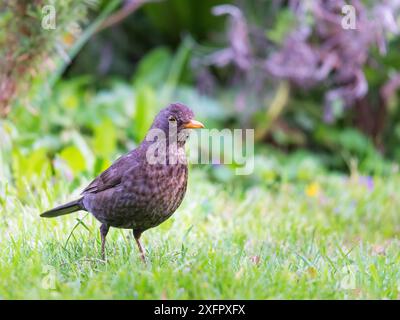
[
  {"x": 313, "y": 190},
  {"x": 68, "y": 39},
  {"x": 312, "y": 272}
]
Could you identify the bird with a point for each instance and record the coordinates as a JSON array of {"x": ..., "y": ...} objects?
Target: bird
[{"x": 144, "y": 187}]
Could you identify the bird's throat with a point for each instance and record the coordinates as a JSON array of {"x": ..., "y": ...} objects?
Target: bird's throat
[{"x": 163, "y": 152}]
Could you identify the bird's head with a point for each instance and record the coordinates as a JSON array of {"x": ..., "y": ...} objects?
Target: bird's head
[{"x": 174, "y": 121}]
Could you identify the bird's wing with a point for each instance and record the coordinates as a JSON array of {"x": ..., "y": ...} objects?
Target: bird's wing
[{"x": 113, "y": 175}]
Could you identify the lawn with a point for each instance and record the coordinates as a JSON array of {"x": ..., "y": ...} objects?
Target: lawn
[{"x": 332, "y": 237}]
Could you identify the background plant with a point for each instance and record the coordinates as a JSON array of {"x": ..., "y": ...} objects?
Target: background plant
[{"x": 324, "y": 105}]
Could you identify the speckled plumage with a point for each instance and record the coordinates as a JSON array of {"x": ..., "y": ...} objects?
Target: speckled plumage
[
  {"x": 133, "y": 193},
  {"x": 146, "y": 195}
]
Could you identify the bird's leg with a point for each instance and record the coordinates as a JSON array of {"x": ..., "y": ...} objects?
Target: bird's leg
[
  {"x": 136, "y": 235},
  {"x": 103, "y": 232}
]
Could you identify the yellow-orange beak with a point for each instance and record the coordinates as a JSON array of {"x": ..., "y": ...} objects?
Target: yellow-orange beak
[{"x": 193, "y": 124}]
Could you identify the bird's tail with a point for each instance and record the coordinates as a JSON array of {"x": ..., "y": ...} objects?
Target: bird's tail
[{"x": 64, "y": 209}]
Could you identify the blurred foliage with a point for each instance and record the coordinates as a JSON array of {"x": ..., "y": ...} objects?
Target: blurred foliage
[
  {"x": 124, "y": 74},
  {"x": 250, "y": 97},
  {"x": 34, "y": 39},
  {"x": 117, "y": 50}
]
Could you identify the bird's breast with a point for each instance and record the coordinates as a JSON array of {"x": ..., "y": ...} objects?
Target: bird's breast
[
  {"x": 156, "y": 194},
  {"x": 168, "y": 185}
]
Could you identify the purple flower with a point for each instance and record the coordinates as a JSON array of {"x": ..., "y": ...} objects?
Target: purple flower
[{"x": 367, "y": 181}]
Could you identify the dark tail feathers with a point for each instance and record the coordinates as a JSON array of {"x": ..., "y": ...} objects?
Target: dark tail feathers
[{"x": 64, "y": 209}]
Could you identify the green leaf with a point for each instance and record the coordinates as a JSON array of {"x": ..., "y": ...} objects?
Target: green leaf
[
  {"x": 145, "y": 111},
  {"x": 28, "y": 167},
  {"x": 105, "y": 139},
  {"x": 285, "y": 23},
  {"x": 74, "y": 159},
  {"x": 153, "y": 68}
]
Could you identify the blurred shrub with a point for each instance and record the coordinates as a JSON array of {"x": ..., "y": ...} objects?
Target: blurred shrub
[
  {"x": 28, "y": 51},
  {"x": 288, "y": 69},
  {"x": 117, "y": 50},
  {"x": 342, "y": 83},
  {"x": 80, "y": 130},
  {"x": 285, "y": 68}
]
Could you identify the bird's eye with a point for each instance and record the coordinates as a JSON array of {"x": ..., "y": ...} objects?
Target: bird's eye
[{"x": 171, "y": 119}]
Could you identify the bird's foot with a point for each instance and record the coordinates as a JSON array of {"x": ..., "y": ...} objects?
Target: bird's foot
[{"x": 143, "y": 258}]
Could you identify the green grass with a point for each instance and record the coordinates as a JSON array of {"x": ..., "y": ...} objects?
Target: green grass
[{"x": 223, "y": 242}]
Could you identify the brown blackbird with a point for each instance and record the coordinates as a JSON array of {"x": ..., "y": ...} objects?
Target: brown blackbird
[{"x": 143, "y": 188}]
